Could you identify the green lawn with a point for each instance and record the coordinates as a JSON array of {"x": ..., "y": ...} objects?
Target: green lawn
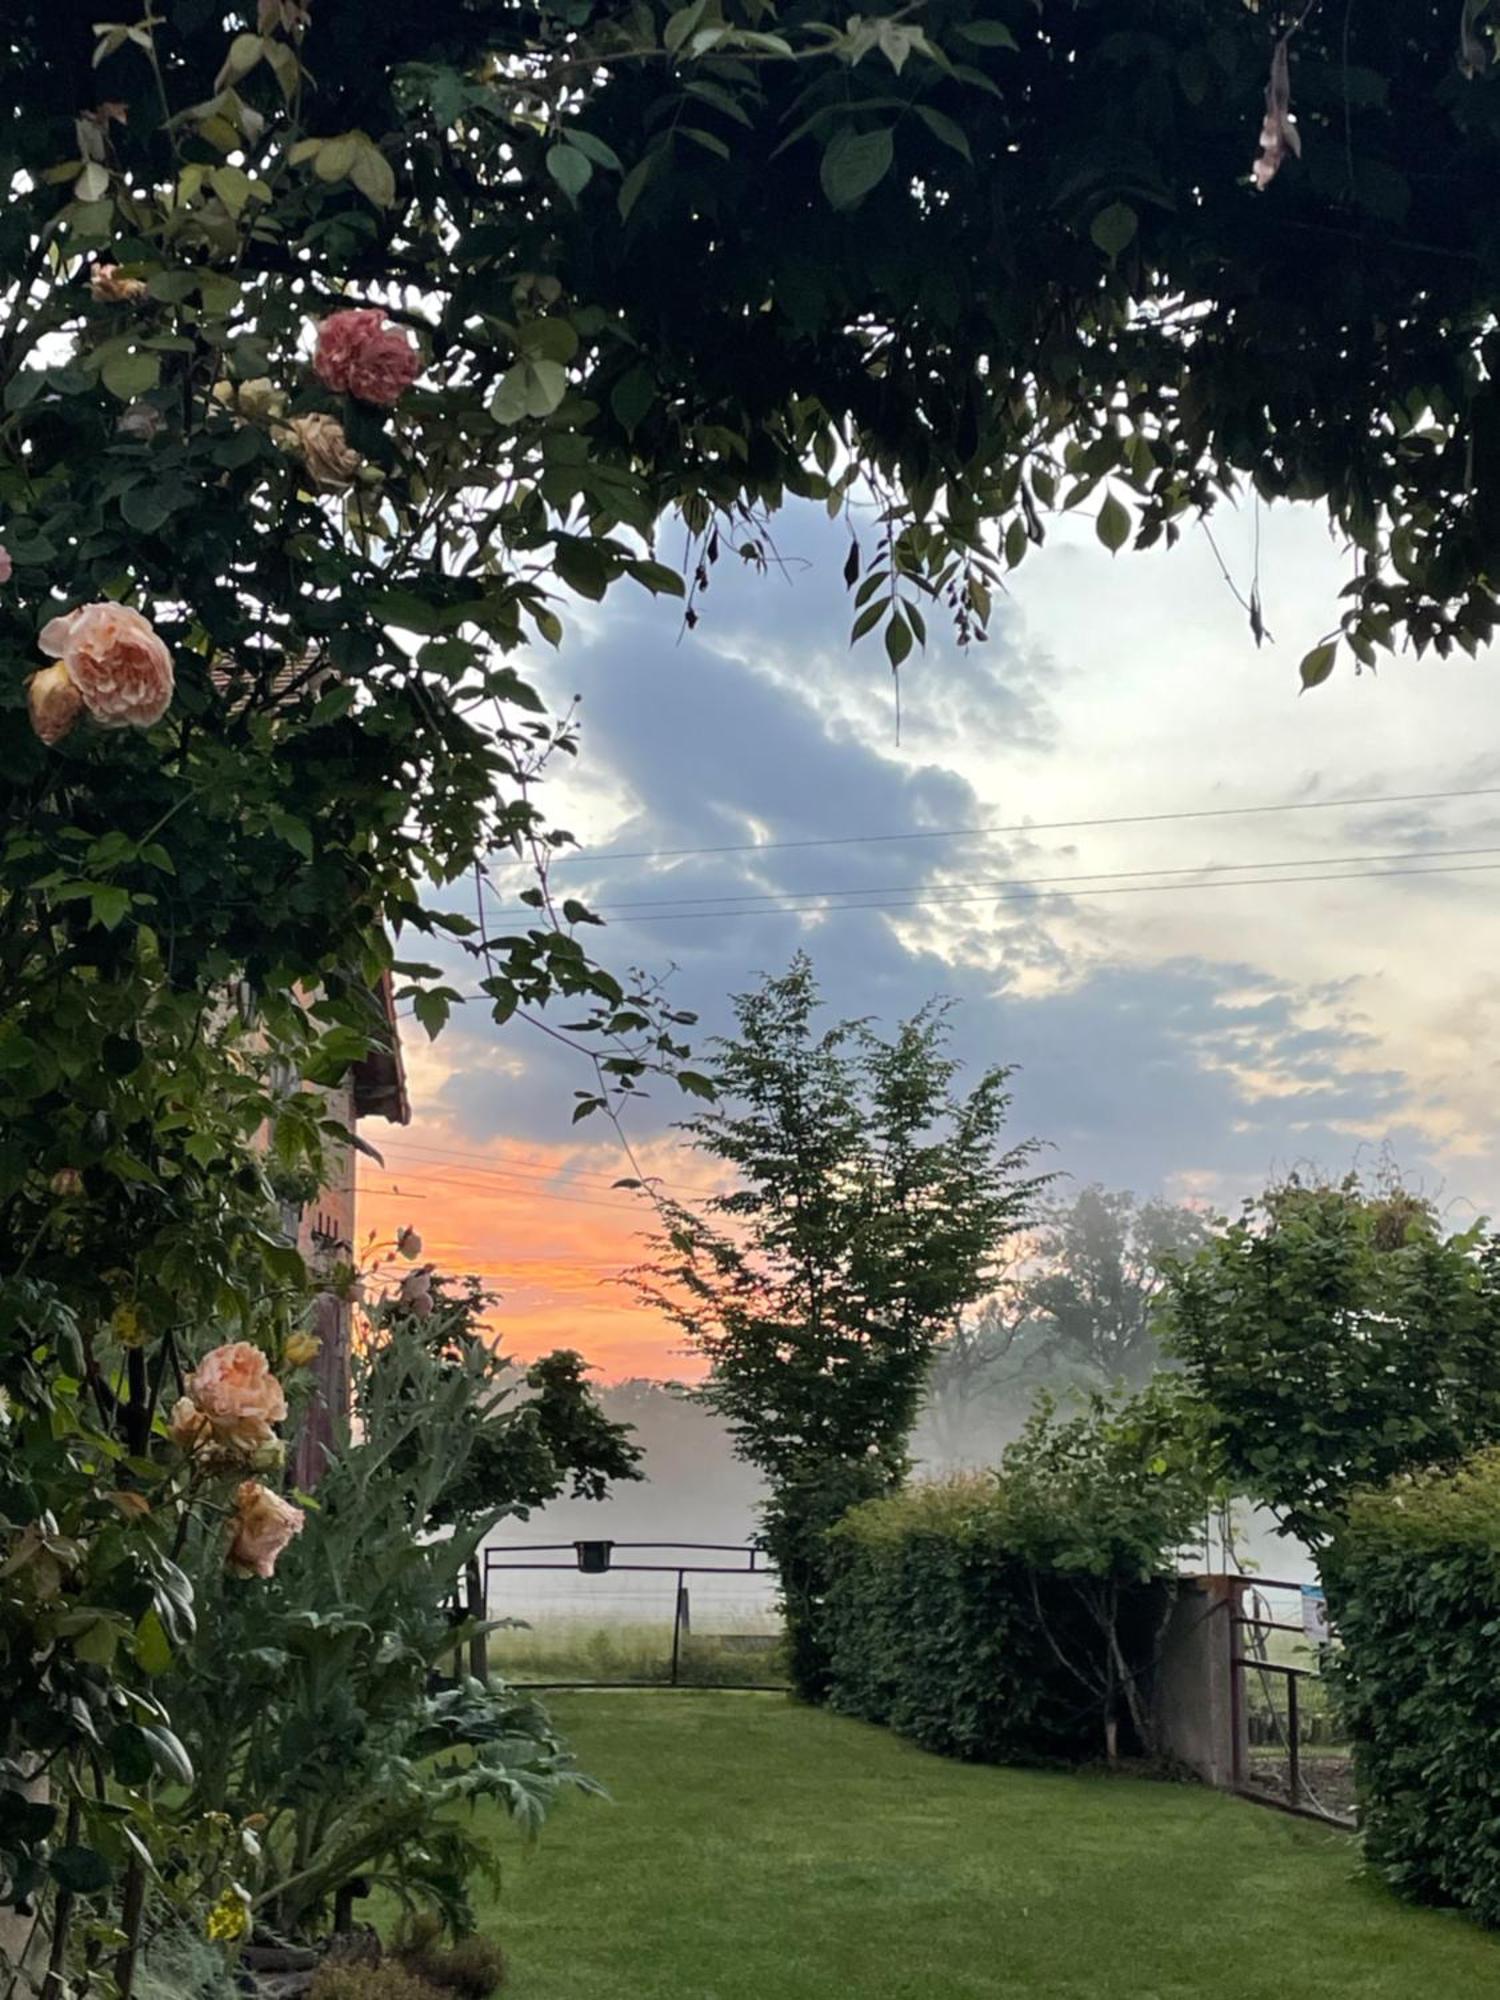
[{"x": 755, "y": 1850}]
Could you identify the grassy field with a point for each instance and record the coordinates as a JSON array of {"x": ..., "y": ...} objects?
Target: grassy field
[
  {"x": 582, "y": 1649},
  {"x": 756, "y": 1850}
]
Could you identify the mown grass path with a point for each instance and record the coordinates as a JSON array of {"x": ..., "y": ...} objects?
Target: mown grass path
[{"x": 756, "y": 1850}]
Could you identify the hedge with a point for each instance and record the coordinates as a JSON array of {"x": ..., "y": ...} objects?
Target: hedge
[
  {"x": 1414, "y": 1584},
  {"x": 937, "y": 1628}
]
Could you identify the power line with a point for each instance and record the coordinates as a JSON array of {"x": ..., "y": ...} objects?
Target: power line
[
  {"x": 787, "y": 898},
  {"x": 529, "y": 1169},
  {"x": 1038, "y": 895},
  {"x": 536, "y": 1194},
  {"x": 1032, "y": 826}
]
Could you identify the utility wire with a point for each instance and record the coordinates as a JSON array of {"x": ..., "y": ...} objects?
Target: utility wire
[
  {"x": 1038, "y": 895},
  {"x": 787, "y": 898},
  {"x": 447, "y": 1155},
  {"x": 1032, "y": 826},
  {"x": 536, "y": 1194}
]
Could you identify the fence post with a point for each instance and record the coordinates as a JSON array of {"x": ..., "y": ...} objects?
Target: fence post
[
  {"x": 479, "y": 1642},
  {"x": 679, "y": 1614}
]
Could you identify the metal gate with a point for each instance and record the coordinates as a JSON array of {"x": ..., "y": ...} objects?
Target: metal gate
[
  {"x": 686, "y": 1658},
  {"x": 1290, "y": 1751}
]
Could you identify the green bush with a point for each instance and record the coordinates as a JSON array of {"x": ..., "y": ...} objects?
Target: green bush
[
  {"x": 1414, "y": 1584},
  {"x": 1016, "y": 1615}
]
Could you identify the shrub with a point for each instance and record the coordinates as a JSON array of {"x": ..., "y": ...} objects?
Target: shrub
[
  {"x": 474, "y": 1968},
  {"x": 1414, "y": 1584},
  {"x": 1015, "y": 1615}
]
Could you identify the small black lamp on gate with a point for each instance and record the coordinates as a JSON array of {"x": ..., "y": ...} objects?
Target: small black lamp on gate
[{"x": 593, "y": 1557}]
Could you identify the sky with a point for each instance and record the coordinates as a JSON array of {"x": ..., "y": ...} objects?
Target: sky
[{"x": 1188, "y": 1034}]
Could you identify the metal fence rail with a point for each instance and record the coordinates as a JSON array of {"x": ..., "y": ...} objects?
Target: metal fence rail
[
  {"x": 602, "y": 1559},
  {"x": 1250, "y": 1656}
]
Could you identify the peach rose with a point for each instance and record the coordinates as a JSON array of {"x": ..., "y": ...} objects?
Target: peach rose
[
  {"x": 263, "y": 1525},
  {"x": 235, "y": 1389},
  {"x": 110, "y": 289},
  {"x": 320, "y": 443},
  {"x": 116, "y": 663},
  {"x": 53, "y": 703},
  {"x": 359, "y": 355}
]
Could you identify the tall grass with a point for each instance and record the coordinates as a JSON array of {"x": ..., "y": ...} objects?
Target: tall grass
[{"x": 580, "y": 1649}]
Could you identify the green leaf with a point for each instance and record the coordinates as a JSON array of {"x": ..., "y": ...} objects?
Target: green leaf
[
  {"x": 295, "y": 832},
  {"x": 131, "y": 374},
  {"x": 1113, "y": 525},
  {"x": 553, "y": 339},
  {"x": 130, "y": 1755},
  {"x": 634, "y": 183},
  {"x": 373, "y": 175},
  {"x": 853, "y": 163},
  {"x": 548, "y": 386},
  {"x": 571, "y": 168},
  {"x": 987, "y": 34},
  {"x": 108, "y": 906},
  {"x": 1113, "y": 228},
  {"x": 1318, "y": 664},
  {"x": 898, "y": 640},
  {"x": 97, "y": 1642},
  {"x": 601, "y": 154},
  {"x": 658, "y": 579},
  {"x": 431, "y": 1009},
  {"x": 151, "y": 1646},
  {"x": 84, "y": 1870},
  {"x": 632, "y": 396},
  {"x": 695, "y": 1085},
  {"x": 172, "y": 1760},
  {"x": 945, "y": 128}
]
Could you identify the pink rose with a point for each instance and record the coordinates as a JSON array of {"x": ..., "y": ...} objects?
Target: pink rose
[
  {"x": 358, "y": 354},
  {"x": 263, "y": 1525},
  {"x": 6, "y": 565},
  {"x": 53, "y": 702},
  {"x": 235, "y": 1390},
  {"x": 116, "y": 662}
]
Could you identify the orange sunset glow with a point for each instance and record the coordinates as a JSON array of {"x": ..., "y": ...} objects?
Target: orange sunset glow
[{"x": 542, "y": 1226}]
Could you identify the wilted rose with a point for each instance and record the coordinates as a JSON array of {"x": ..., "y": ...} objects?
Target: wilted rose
[
  {"x": 290, "y": 16},
  {"x": 258, "y": 401},
  {"x": 140, "y": 420},
  {"x": 1278, "y": 135},
  {"x": 301, "y": 1350},
  {"x": 415, "y": 1291},
  {"x": 116, "y": 663},
  {"x": 53, "y": 703},
  {"x": 65, "y": 1182},
  {"x": 320, "y": 443},
  {"x": 264, "y": 1523},
  {"x": 235, "y": 1389},
  {"x": 108, "y": 288},
  {"x": 409, "y": 1243},
  {"x": 358, "y": 354},
  {"x": 190, "y": 1428}
]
